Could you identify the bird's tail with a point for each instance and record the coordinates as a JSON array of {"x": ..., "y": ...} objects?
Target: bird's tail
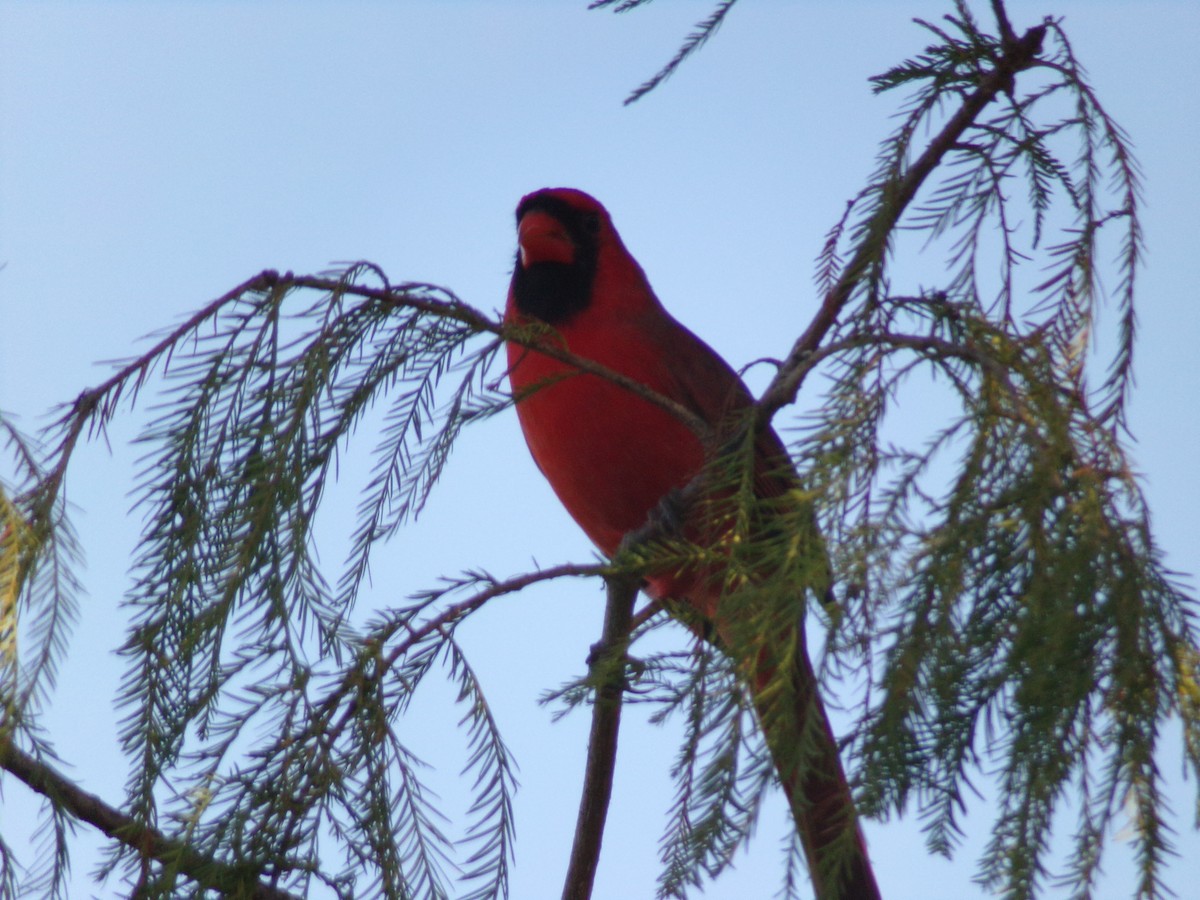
[
  {"x": 772, "y": 659},
  {"x": 805, "y": 753},
  {"x": 745, "y": 592}
]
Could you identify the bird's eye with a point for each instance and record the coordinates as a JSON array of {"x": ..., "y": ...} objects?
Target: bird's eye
[{"x": 591, "y": 223}]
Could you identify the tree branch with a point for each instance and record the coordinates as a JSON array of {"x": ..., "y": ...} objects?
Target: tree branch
[
  {"x": 607, "y": 671},
  {"x": 102, "y": 399},
  {"x": 467, "y": 314},
  {"x": 1008, "y": 37},
  {"x": 146, "y": 841},
  {"x": 1018, "y": 55}
]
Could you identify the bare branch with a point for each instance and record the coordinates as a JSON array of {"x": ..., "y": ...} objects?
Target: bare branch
[{"x": 607, "y": 671}]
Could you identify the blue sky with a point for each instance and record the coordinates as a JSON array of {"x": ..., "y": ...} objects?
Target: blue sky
[{"x": 152, "y": 155}]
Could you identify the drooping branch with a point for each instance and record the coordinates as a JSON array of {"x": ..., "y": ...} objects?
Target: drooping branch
[
  {"x": 453, "y": 614},
  {"x": 1017, "y": 56},
  {"x": 92, "y": 409},
  {"x": 144, "y": 840},
  {"x": 462, "y": 312}
]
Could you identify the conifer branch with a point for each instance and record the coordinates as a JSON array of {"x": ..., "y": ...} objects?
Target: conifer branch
[
  {"x": 704, "y": 30},
  {"x": 462, "y": 312},
  {"x": 147, "y": 842},
  {"x": 786, "y": 384}
]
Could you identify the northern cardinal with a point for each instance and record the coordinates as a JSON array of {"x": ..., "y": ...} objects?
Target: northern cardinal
[{"x": 613, "y": 458}]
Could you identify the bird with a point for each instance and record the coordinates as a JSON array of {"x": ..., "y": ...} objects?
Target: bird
[{"x": 616, "y": 459}]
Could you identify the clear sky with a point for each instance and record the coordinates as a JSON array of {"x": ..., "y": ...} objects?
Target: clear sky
[{"x": 152, "y": 155}]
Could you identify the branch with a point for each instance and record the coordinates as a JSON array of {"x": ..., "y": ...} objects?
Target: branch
[
  {"x": 695, "y": 40},
  {"x": 1008, "y": 37},
  {"x": 142, "y": 839},
  {"x": 467, "y": 314},
  {"x": 1020, "y": 55},
  {"x": 453, "y": 613},
  {"x": 102, "y": 399},
  {"x": 105, "y": 396},
  {"x": 607, "y": 671},
  {"x": 442, "y": 623}
]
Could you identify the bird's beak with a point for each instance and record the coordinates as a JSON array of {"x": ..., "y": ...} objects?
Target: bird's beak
[{"x": 542, "y": 238}]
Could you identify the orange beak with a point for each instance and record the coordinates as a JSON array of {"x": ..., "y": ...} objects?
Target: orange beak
[{"x": 542, "y": 238}]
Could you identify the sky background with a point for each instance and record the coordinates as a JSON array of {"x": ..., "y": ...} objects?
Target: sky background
[{"x": 153, "y": 155}]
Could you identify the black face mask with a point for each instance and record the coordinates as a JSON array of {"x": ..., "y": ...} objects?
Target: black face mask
[{"x": 556, "y": 291}]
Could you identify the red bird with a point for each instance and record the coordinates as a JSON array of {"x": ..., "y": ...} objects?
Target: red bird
[{"x": 612, "y": 458}]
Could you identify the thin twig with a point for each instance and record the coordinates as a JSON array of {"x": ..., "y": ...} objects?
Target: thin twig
[{"x": 146, "y": 841}]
